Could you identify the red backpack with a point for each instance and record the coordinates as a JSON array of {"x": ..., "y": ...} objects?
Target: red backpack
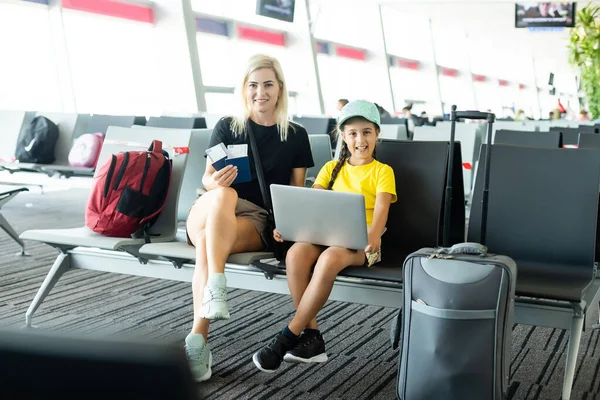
[{"x": 129, "y": 192}]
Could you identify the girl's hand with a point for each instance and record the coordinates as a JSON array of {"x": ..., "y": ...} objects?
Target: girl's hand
[
  {"x": 374, "y": 243},
  {"x": 277, "y": 236}
]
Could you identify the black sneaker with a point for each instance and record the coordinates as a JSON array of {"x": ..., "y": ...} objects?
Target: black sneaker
[
  {"x": 269, "y": 358},
  {"x": 309, "y": 349}
]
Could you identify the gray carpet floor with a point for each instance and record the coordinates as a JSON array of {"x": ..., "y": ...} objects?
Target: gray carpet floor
[{"x": 361, "y": 366}]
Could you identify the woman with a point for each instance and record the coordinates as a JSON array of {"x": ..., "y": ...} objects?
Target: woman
[{"x": 230, "y": 218}]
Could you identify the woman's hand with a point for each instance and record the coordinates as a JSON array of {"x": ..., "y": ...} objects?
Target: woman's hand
[
  {"x": 225, "y": 176},
  {"x": 277, "y": 236},
  {"x": 374, "y": 243}
]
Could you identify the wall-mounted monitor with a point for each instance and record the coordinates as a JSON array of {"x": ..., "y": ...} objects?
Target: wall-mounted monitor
[
  {"x": 278, "y": 9},
  {"x": 544, "y": 14}
]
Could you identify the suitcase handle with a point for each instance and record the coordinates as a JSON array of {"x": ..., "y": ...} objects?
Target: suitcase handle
[
  {"x": 490, "y": 117},
  {"x": 465, "y": 248}
]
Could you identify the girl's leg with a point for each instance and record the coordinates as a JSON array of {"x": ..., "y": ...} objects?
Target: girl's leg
[
  {"x": 299, "y": 261},
  {"x": 329, "y": 264}
]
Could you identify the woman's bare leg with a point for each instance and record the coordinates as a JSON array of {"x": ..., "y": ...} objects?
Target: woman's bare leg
[{"x": 216, "y": 232}]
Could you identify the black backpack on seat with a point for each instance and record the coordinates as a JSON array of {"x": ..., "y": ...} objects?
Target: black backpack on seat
[{"x": 37, "y": 143}]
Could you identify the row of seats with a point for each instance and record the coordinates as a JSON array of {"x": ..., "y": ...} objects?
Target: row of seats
[
  {"x": 533, "y": 133},
  {"x": 70, "y": 127},
  {"x": 551, "y": 140},
  {"x": 555, "y": 247},
  {"x": 471, "y": 136}
]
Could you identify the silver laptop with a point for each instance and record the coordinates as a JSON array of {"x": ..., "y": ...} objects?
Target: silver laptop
[{"x": 320, "y": 217}]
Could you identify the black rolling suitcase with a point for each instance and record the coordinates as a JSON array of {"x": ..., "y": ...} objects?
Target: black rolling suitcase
[{"x": 456, "y": 323}]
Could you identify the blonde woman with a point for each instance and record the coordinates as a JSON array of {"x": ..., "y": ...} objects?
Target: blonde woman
[{"x": 231, "y": 218}]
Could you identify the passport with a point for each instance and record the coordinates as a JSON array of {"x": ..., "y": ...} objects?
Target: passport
[{"x": 236, "y": 155}]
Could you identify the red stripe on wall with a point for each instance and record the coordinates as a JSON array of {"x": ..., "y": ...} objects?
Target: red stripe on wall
[
  {"x": 257, "y": 35},
  {"x": 349, "y": 52},
  {"x": 410, "y": 64},
  {"x": 134, "y": 12},
  {"x": 449, "y": 71}
]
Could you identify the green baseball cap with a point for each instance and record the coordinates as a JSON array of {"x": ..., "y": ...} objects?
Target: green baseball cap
[{"x": 360, "y": 108}]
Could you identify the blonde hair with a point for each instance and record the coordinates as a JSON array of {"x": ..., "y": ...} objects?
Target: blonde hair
[{"x": 256, "y": 62}]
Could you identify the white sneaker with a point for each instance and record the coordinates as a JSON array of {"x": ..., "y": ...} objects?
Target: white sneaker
[
  {"x": 214, "y": 302},
  {"x": 199, "y": 357}
]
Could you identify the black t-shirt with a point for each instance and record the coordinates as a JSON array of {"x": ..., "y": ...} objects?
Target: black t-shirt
[{"x": 278, "y": 158}]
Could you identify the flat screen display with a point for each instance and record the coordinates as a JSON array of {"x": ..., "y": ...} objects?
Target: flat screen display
[
  {"x": 278, "y": 9},
  {"x": 544, "y": 14}
]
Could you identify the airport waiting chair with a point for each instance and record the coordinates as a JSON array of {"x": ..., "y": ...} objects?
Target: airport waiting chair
[
  {"x": 546, "y": 140},
  {"x": 415, "y": 220},
  {"x": 394, "y": 132},
  {"x": 580, "y": 129},
  {"x": 314, "y": 125},
  {"x": 211, "y": 119},
  {"x": 99, "y": 123},
  {"x": 96, "y": 368},
  {"x": 589, "y": 141},
  {"x": 543, "y": 213},
  {"x": 394, "y": 121},
  {"x": 67, "y": 124},
  {"x": 177, "y": 122},
  {"x": 191, "y": 186},
  {"x": 192, "y": 176},
  {"x": 570, "y": 136},
  {"x": 320, "y": 146},
  {"x": 470, "y": 137},
  {"x": 96, "y": 123},
  {"x": 12, "y": 126},
  {"x": 5, "y": 197},
  {"x": 83, "y": 248}
]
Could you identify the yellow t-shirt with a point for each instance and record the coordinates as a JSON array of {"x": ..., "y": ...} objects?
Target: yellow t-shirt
[{"x": 367, "y": 180}]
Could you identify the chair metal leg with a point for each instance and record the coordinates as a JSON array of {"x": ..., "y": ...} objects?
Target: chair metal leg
[
  {"x": 61, "y": 265},
  {"x": 572, "y": 351},
  {"x": 4, "y": 224},
  {"x": 597, "y": 326}
]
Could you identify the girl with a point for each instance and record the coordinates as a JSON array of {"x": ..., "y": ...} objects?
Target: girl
[
  {"x": 356, "y": 171},
  {"x": 230, "y": 218}
]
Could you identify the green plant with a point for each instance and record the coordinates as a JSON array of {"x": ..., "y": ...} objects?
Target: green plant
[{"x": 584, "y": 52}]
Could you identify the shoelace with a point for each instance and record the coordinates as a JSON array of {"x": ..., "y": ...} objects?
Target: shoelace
[
  {"x": 277, "y": 346},
  {"x": 310, "y": 340},
  {"x": 217, "y": 292},
  {"x": 195, "y": 353}
]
